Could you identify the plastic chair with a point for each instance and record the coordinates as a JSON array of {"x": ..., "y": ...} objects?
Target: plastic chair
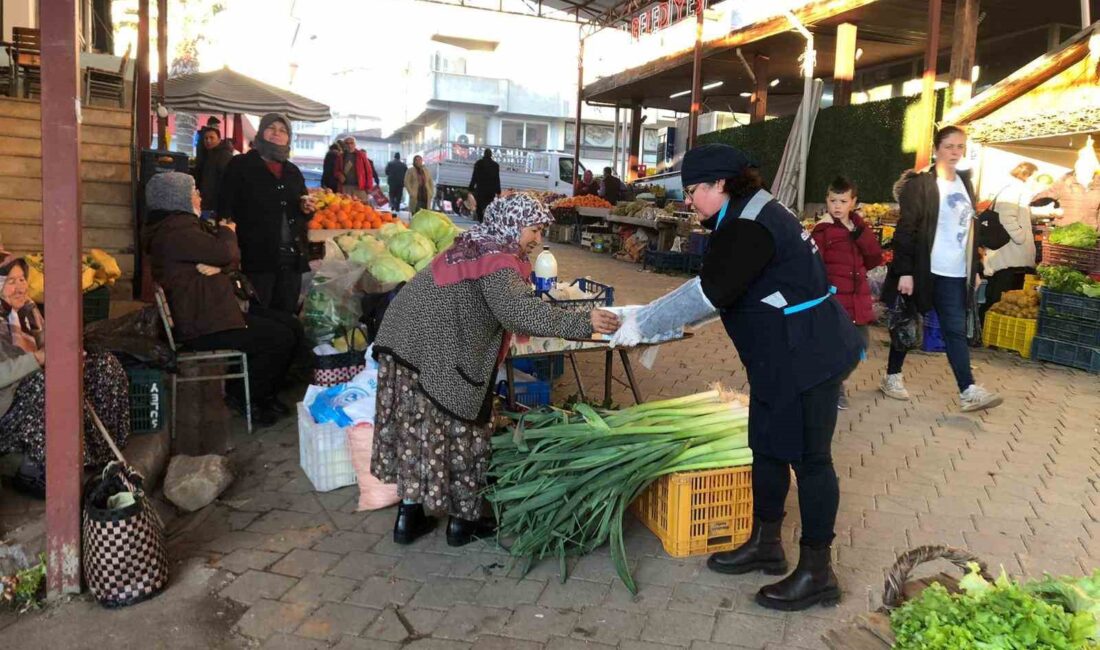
[
  {"x": 200, "y": 359},
  {"x": 107, "y": 84},
  {"x": 26, "y": 48}
]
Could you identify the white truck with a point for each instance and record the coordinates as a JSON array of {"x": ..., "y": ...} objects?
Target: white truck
[{"x": 452, "y": 165}]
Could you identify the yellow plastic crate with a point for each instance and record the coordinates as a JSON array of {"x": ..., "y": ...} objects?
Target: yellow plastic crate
[
  {"x": 1032, "y": 282},
  {"x": 1010, "y": 333},
  {"x": 693, "y": 513}
]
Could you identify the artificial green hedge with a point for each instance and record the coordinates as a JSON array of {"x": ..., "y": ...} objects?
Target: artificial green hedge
[{"x": 872, "y": 144}]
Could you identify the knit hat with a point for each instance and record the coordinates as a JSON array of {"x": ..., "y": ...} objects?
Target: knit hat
[
  {"x": 710, "y": 162},
  {"x": 170, "y": 192},
  {"x": 270, "y": 150}
]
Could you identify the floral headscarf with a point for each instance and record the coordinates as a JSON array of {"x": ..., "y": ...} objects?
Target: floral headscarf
[
  {"x": 21, "y": 323},
  {"x": 493, "y": 244}
]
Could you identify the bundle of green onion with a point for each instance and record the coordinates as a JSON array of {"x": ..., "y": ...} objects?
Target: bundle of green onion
[{"x": 564, "y": 480}]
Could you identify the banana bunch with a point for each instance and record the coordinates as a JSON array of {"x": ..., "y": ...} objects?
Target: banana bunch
[{"x": 98, "y": 269}]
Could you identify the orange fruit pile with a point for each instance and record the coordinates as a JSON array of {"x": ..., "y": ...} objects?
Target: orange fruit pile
[{"x": 345, "y": 212}]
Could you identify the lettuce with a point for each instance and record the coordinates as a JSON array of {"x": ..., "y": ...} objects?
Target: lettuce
[
  {"x": 410, "y": 247},
  {"x": 387, "y": 269},
  {"x": 1075, "y": 235},
  {"x": 433, "y": 225},
  {"x": 366, "y": 249}
]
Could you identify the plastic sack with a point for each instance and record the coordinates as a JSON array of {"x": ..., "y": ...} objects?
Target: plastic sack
[
  {"x": 139, "y": 334},
  {"x": 876, "y": 277},
  {"x": 349, "y": 403},
  {"x": 332, "y": 304},
  {"x": 373, "y": 493},
  {"x": 904, "y": 323}
]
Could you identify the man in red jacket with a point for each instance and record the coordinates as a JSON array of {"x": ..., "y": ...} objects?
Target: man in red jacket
[
  {"x": 355, "y": 171},
  {"x": 849, "y": 249}
]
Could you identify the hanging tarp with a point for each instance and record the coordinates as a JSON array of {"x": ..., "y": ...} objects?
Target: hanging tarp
[
  {"x": 226, "y": 91},
  {"x": 785, "y": 184}
]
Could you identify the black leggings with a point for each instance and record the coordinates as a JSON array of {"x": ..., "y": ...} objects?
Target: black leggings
[
  {"x": 818, "y": 490},
  {"x": 269, "y": 340}
]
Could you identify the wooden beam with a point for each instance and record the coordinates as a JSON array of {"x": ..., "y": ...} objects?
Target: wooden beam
[
  {"x": 580, "y": 103},
  {"x": 808, "y": 14},
  {"x": 696, "y": 78},
  {"x": 635, "y": 142},
  {"x": 964, "y": 45},
  {"x": 928, "y": 91},
  {"x": 1025, "y": 79},
  {"x": 61, "y": 218},
  {"x": 142, "y": 100},
  {"x": 844, "y": 64},
  {"x": 162, "y": 71},
  {"x": 760, "y": 93}
]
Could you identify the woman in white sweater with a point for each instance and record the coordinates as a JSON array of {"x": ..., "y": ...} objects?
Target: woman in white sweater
[{"x": 1007, "y": 266}]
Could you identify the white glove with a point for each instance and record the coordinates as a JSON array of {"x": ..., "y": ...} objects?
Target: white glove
[{"x": 628, "y": 335}]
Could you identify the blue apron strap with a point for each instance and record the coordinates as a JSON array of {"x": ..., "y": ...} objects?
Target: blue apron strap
[
  {"x": 809, "y": 304},
  {"x": 722, "y": 214}
]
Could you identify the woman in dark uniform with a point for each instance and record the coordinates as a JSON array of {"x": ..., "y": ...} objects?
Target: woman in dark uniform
[{"x": 763, "y": 275}]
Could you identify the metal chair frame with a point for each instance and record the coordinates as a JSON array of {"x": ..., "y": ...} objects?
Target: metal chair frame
[{"x": 200, "y": 360}]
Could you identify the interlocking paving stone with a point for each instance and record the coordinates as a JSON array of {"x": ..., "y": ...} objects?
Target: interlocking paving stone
[
  {"x": 379, "y": 592},
  {"x": 538, "y": 623},
  {"x": 360, "y": 566},
  {"x": 469, "y": 622},
  {"x": 253, "y": 586},
  {"x": 317, "y": 589},
  {"x": 242, "y": 560},
  {"x": 388, "y": 626},
  {"x": 333, "y": 620},
  {"x": 268, "y": 617},
  {"x": 300, "y": 562},
  {"x": 679, "y": 628}
]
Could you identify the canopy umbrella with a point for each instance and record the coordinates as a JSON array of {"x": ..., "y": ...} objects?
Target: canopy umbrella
[
  {"x": 786, "y": 184},
  {"x": 226, "y": 91}
]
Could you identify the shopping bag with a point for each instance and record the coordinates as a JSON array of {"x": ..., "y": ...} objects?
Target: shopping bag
[
  {"x": 373, "y": 493},
  {"x": 904, "y": 323}
]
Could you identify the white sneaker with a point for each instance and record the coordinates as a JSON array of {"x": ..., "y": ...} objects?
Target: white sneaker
[
  {"x": 976, "y": 398},
  {"x": 893, "y": 387}
]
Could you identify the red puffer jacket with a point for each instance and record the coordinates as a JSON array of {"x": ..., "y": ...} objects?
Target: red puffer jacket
[{"x": 848, "y": 255}]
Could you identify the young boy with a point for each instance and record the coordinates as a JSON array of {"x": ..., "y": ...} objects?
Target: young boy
[{"x": 849, "y": 249}]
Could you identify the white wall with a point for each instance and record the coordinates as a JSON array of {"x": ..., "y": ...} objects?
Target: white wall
[{"x": 19, "y": 13}]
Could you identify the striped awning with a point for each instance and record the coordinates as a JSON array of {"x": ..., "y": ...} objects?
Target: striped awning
[{"x": 225, "y": 91}]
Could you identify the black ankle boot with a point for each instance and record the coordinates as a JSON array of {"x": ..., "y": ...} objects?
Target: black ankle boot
[
  {"x": 763, "y": 552},
  {"x": 461, "y": 532},
  {"x": 812, "y": 582},
  {"x": 411, "y": 523}
]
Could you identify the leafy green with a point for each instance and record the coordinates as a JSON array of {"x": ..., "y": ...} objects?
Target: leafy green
[
  {"x": 433, "y": 225},
  {"x": 1076, "y": 595},
  {"x": 1065, "y": 279},
  {"x": 366, "y": 249},
  {"x": 1002, "y": 615},
  {"x": 387, "y": 268},
  {"x": 410, "y": 247},
  {"x": 1075, "y": 235}
]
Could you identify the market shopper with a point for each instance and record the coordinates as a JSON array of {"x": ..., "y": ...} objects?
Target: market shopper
[
  {"x": 849, "y": 249},
  {"x": 438, "y": 349},
  {"x": 763, "y": 275},
  {"x": 329, "y": 177},
  {"x": 357, "y": 174},
  {"x": 195, "y": 263},
  {"x": 421, "y": 187},
  {"x": 611, "y": 188},
  {"x": 586, "y": 185},
  {"x": 211, "y": 167},
  {"x": 936, "y": 262},
  {"x": 1007, "y": 266},
  {"x": 485, "y": 183},
  {"x": 265, "y": 194},
  {"x": 395, "y": 178}
]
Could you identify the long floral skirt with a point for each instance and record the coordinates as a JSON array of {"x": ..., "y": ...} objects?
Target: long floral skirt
[
  {"x": 433, "y": 458},
  {"x": 106, "y": 387}
]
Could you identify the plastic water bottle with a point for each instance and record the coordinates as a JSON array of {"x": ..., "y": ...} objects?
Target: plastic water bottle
[{"x": 546, "y": 271}]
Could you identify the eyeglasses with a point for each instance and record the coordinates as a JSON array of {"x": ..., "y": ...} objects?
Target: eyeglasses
[{"x": 689, "y": 191}]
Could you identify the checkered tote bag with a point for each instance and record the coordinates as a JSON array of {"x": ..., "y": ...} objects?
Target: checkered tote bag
[{"x": 125, "y": 553}]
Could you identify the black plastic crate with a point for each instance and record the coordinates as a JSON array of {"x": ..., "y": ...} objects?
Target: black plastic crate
[
  {"x": 1066, "y": 354},
  {"x": 148, "y": 400},
  {"x": 604, "y": 296},
  {"x": 1069, "y": 330},
  {"x": 97, "y": 304},
  {"x": 666, "y": 261},
  {"x": 1067, "y": 305}
]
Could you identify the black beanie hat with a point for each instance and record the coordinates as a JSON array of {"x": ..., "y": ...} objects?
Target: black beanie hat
[{"x": 710, "y": 162}]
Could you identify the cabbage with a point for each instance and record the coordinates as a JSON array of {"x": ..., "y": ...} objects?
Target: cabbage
[
  {"x": 444, "y": 242},
  {"x": 390, "y": 229},
  {"x": 423, "y": 264},
  {"x": 366, "y": 249},
  {"x": 410, "y": 247},
  {"x": 387, "y": 269},
  {"x": 433, "y": 225},
  {"x": 347, "y": 242}
]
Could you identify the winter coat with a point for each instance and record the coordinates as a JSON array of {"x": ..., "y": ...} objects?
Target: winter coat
[
  {"x": 451, "y": 335},
  {"x": 1012, "y": 205},
  {"x": 485, "y": 182},
  {"x": 366, "y": 176},
  {"x": 412, "y": 186},
  {"x": 259, "y": 202},
  {"x": 611, "y": 189},
  {"x": 395, "y": 175},
  {"x": 848, "y": 255},
  {"x": 210, "y": 174},
  {"x": 328, "y": 169},
  {"x": 200, "y": 304},
  {"x": 919, "y": 198}
]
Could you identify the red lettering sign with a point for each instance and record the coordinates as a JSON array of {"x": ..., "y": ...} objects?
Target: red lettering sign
[{"x": 662, "y": 15}]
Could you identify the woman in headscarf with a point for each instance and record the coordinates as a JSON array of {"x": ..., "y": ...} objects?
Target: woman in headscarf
[
  {"x": 265, "y": 194},
  {"x": 421, "y": 187},
  {"x": 438, "y": 349},
  {"x": 23, "y": 386}
]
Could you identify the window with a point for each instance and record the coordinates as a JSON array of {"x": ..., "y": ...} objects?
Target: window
[
  {"x": 524, "y": 135},
  {"x": 478, "y": 127}
]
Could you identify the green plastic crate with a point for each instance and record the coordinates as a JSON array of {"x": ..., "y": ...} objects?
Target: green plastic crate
[{"x": 148, "y": 400}]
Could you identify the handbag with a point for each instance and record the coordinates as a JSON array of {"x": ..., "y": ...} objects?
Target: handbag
[
  {"x": 125, "y": 553},
  {"x": 990, "y": 232},
  {"x": 904, "y": 323},
  {"x": 339, "y": 368}
]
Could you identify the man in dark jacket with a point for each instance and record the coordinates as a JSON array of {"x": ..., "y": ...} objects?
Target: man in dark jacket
[
  {"x": 217, "y": 154},
  {"x": 266, "y": 195},
  {"x": 328, "y": 169},
  {"x": 611, "y": 189},
  {"x": 485, "y": 183},
  {"x": 395, "y": 178}
]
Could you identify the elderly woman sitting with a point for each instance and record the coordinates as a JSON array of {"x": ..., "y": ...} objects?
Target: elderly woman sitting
[
  {"x": 23, "y": 386},
  {"x": 194, "y": 262},
  {"x": 438, "y": 349}
]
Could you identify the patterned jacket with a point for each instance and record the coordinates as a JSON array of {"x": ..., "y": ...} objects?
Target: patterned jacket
[{"x": 451, "y": 336}]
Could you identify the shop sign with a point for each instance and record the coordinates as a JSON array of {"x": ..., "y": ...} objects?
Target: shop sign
[{"x": 664, "y": 14}]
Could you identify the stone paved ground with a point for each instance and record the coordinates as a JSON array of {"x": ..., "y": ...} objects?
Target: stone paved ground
[{"x": 1016, "y": 485}]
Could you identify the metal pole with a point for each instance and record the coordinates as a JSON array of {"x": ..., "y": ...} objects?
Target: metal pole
[
  {"x": 580, "y": 103},
  {"x": 1086, "y": 14},
  {"x": 615, "y": 141},
  {"x": 696, "y": 77},
  {"x": 141, "y": 85},
  {"x": 162, "y": 71},
  {"x": 928, "y": 90},
  {"x": 61, "y": 218},
  {"x": 804, "y": 135}
]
